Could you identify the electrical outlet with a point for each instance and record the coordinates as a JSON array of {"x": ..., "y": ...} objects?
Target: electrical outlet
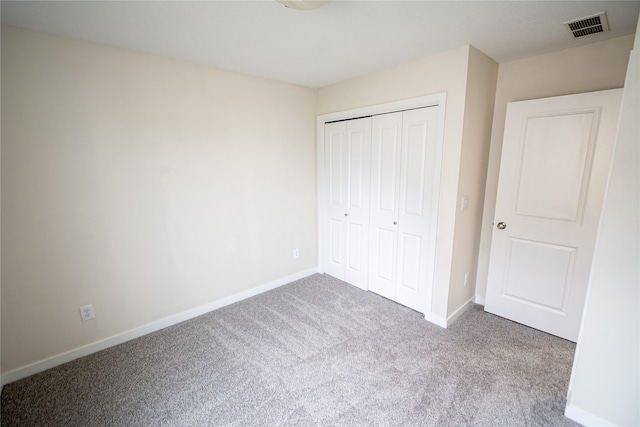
[
  {"x": 86, "y": 312},
  {"x": 466, "y": 278},
  {"x": 296, "y": 253}
]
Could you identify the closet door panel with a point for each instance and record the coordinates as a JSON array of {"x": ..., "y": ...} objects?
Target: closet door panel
[
  {"x": 355, "y": 246},
  {"x": 413, "y": 170},
  {"x": 358, "y": 172},
  {"x": 419, "y": 134},
  {"x": 335, "y": 190},
  {"x": 336, "y": 243},
  {"x": 409, "y": 253},
  {"x": 387, "y": 175},
  {"x": 385, "y": 186},
  {"x": 382, "y": 259},
  {"x": 348, "y": 174}
]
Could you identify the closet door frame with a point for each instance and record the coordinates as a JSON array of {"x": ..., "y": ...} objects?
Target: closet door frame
[{"x": 437, "y": 101}]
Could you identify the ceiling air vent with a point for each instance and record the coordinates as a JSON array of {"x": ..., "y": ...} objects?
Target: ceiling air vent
[{"x": 589, "y": 25}]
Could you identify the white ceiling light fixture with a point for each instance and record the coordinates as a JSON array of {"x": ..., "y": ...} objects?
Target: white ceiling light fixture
[{"x": 303, "y": 4}]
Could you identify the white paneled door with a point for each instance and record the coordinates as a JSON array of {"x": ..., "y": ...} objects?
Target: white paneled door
[
  {"x": 403, "y": 181},
  {"x": 385, "y": 200},
  {"x": 347, "y": 188},
  {"x": 555, "y": 163}
]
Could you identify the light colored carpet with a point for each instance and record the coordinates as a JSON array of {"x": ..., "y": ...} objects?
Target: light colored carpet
[{"x": 316, "y": 352}]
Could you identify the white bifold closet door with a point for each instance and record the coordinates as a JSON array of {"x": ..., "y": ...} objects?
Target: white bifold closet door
[
  {"x": 403, "y": 161},
  {"x": 347, "y": 188}
]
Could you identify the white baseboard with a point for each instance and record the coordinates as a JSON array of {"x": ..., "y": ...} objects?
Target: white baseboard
[
  {"x": 436, "y": 320},
  {"x": 480, "y": 300},
  {"x": 59, "y": 359},
  {"x": 585, "y": 418},
  {"x": 464, "y": 307},
  {"x": 444, "y": 323}
]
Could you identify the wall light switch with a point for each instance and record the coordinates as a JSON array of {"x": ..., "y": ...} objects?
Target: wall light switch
[{"x": 463, "y": 203}]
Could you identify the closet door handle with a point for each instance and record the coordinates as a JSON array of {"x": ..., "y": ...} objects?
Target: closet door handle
[
  {"x": 346, "y": 214},
  {"x": 395, "y": 222}
]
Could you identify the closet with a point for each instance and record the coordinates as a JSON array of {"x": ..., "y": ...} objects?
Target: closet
[{"x": 380, "y": 180}]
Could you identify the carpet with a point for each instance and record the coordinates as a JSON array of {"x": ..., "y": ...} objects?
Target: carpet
[{"x": 315, "y": 352}]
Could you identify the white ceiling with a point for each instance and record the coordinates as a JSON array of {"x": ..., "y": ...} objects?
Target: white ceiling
[{"x": 316, "y": 48}]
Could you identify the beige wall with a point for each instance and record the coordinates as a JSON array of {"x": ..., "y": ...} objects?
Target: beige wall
[
  {"x": 443, "y": 72},
  {"x": 605, "y": 382},
  {"x": 597, "y": 66},
  {"x": 481, "y": 90},
  {"x": 142, "y": 185}
]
